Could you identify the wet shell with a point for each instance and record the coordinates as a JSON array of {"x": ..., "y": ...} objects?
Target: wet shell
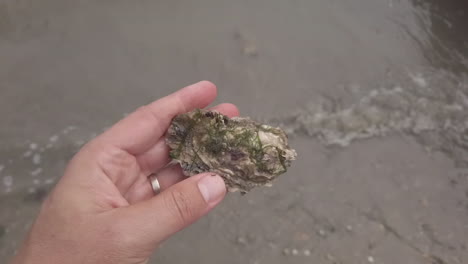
[{"x": 245, "y": 153}]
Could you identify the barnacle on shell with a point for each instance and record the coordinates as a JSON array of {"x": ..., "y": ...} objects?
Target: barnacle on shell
[{"x": 245, "y": 153}]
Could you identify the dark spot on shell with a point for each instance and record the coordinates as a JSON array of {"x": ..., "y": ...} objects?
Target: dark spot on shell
[
  {"x": 210, "y": 114},
  {"x": 236, "y": 155},
  {"x": 179, "y": 131}
]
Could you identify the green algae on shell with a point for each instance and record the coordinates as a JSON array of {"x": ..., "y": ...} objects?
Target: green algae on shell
[{"x": 245, "y": 153}]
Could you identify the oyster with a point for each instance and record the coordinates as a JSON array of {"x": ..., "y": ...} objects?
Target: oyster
[{"x": 245, "y": 153}]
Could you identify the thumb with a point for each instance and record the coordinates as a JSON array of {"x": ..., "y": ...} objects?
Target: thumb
[{"x": 154, "y": 220}]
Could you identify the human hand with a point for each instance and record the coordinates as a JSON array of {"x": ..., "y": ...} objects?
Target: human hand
[{"x": 103, "y": 209}]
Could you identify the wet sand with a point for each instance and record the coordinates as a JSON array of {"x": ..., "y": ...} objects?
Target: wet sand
[{"x": 373, "y": 93}]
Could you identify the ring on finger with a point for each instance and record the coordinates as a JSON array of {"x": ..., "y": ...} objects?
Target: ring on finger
[{"x": 155, "y": 184}]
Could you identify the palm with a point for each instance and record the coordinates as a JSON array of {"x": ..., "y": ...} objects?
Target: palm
[{"x": 124, "y": 180}]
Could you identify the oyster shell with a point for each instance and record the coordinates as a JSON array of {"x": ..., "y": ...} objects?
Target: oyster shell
[{"x": 245, "y": 153}]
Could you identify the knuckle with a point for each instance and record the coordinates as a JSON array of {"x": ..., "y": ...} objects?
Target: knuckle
[
  {"x": 181, "y": 104},
  {"x": 178, "y": 204},
  {"x": 147, "y": 113}
]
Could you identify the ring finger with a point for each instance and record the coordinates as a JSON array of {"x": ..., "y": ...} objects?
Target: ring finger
[{"x": 142, "y": 189}]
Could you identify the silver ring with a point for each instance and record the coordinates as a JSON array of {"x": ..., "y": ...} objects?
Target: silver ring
[{"x": 155, "y": 184}]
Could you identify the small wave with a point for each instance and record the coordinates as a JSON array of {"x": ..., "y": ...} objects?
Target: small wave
[{"x": 432, "y": 107}]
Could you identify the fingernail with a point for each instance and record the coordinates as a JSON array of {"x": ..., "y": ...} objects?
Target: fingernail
[{"x": 211, "y": 187}]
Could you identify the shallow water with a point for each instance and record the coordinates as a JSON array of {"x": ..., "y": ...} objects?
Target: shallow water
[{"x": 431, "y": 105}]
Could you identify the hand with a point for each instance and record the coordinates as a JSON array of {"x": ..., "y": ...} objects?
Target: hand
[{"x": 103, "y": 209}]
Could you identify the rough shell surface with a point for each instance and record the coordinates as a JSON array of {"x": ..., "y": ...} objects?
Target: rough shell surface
[{"x": 245, "y": 153}]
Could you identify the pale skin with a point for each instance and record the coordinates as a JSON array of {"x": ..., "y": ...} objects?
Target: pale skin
[{"x": 103, "y": 209}]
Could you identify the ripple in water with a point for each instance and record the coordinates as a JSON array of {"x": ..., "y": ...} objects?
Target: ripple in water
[{"x": 432, "y": 107}]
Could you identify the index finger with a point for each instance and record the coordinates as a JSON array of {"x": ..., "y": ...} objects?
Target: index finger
[{"x": 140, "y": 130}]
